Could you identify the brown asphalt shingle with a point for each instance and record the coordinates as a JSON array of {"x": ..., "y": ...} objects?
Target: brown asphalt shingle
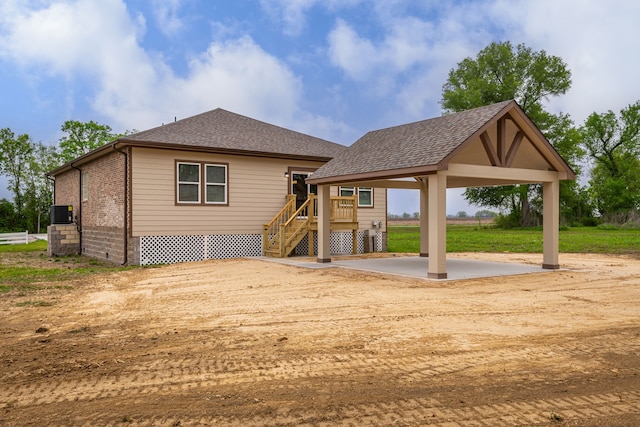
[
  {"x": 418, "y": 144},
  {"x": 223, "y": 130}
]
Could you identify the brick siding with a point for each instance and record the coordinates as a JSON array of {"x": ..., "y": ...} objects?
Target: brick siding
[
  {"x": 103, "y": 213},
  {"x": 63, "y": 240}
]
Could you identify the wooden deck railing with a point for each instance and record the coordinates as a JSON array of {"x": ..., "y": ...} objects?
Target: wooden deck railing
[
  {"x": 271, "y": 231},
  {"x": 288, "y": 227}
]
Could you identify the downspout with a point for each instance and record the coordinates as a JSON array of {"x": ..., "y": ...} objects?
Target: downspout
[
  {"x": 79, "y": 216},
  {"x": 126, "y": 201},
  {"x": 53, "y": 183}
]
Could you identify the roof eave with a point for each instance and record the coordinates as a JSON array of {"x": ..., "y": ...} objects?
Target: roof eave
[
  {"x": 370, "y": 176},
  {"x": 219, "y": 150}
]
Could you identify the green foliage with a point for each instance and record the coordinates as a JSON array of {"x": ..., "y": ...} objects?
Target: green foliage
[
  {"x": 528, "y": 240},
  {"x": 613, "y": 142},
  {"x": 82, "y": 138},
  {"x": 7, "y": 216},
  {"x": 502, "y": 72},
  {"x": 15, "y": 157}
]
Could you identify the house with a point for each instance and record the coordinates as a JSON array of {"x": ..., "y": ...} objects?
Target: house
[
  {"x": 215, "y": 185},
  {"x": 491, "y": 145}
]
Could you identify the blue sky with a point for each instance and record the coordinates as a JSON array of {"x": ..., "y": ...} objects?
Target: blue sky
[{"x": 333, "y": 68}]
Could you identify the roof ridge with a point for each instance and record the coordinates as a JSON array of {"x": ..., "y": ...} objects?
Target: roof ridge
[{"x": 448, "y": 115}]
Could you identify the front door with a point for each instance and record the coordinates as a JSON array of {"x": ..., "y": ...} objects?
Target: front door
[{"x": 300, "y": 188}]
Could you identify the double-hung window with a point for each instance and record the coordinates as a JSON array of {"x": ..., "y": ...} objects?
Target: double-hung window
[
  {"x": 216, "y": 184},
  {"x": 188, "y": 183},
  {"x": 365, "y": 195},
  {"x": 201, "y": 183}
]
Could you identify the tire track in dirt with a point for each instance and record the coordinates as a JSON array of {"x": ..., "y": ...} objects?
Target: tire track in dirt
[
  {"x": 413, "y": 412},
  {"x": 171, "y": 375}
]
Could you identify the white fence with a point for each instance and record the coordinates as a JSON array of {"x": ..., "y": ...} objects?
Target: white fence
[{"x": 14, "y": 238}]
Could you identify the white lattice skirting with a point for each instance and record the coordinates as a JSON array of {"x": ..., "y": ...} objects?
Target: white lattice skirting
[{"x": 174, "y": 249}]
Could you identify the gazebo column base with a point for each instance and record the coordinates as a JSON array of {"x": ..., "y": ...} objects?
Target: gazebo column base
[
  {"x": 551, "y": 266},
  {"x": 436, "y": 275}
]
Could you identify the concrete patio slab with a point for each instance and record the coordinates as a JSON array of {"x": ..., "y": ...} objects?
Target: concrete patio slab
[{"x": 417, "y": 267}]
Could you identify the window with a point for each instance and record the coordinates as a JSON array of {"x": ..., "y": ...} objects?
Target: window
[
  {"x": 347, "y": 191},
  {"x": 365, "y": 195},
  {"x": 198, "y": 182},
  {"x": 85, "y": 186},
  {"x": 188, "y": 182},
  {"x": 216, "y": 184}
]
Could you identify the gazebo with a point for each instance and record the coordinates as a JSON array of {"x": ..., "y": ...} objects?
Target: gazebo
[{"x": 493, "y": 145}]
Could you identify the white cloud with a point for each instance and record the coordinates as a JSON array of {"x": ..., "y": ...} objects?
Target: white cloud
[
  {"x": 598, "y": 41},
  {"x": 291, "y": 12},
  {"x": 134, "y": 89},
  {"x": 408, "y": 61},
  {"x": 166, "y": 14}
]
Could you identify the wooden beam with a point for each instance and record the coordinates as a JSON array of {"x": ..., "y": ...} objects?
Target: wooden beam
[
  {"x": 513, "y": 150},
  {"x": 502, "y": 136},
  {"x": 515, "y": 175},
  {"x": 489, "y": 149},
  {"x": 385, "y": 183}
]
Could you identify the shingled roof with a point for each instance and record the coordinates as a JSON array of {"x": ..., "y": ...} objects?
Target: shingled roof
[
  {"x": 414, "y": 145},
  {"x": 221, "y": 130}
]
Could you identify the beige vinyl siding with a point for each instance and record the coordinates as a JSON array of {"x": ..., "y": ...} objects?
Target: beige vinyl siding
[
  {"x": 378, "y": 212},
  {"x": 257, "y": 190}
]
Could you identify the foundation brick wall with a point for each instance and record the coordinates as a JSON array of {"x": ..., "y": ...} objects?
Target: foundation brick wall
[
  {"x": 63, "y": 240},
  {"x": 105, "y": 243},
  {"x": 102, "y": 216}
]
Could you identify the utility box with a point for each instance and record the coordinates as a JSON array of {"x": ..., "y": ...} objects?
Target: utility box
[
  {"x": 61, "y": 214},
  {"x": 370, "y": 240}
]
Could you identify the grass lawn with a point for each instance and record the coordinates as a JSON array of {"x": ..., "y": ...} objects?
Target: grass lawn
[
  {"x": 467, "y": 238},
  {"x": 26, "y": 268}
]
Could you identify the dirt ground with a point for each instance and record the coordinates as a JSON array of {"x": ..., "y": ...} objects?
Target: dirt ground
[{"x": 249, "y": 342}]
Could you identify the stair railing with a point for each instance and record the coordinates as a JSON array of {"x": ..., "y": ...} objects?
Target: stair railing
[
  {"x": 270, "y": 231},
  {"x": 298, "y": 222}
]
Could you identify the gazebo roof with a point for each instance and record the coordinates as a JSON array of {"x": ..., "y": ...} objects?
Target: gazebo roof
[{"x": 426, "y": 146}]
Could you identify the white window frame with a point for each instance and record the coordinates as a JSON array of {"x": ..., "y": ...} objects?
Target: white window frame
[
  {"x": 352, "y": 190},
  {"x": 355, "y": 191},
  {"x": 365, "y": 190},
  {"x": 216, "y": 184},
  {"x": 198, "y": 183}
]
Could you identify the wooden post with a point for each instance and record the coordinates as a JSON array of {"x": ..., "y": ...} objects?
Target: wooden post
[
  {"x": 324, "y": 223},
  {"x": 424, "y": 218},
  {"x": 437, "y": 226},
  {"x": 312, "y": 219},
  {"x": 265, "y": 239},
  {"x": 550, "y": 224},
  {"x": 281, "y": 243}
]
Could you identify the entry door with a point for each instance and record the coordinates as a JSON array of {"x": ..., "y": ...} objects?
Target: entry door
[{"x": 300, "y": 188}]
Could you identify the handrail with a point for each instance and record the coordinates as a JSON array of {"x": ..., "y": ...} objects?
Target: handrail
[
  {"x": 344, "y": 208},
  {"x": 271, "y": 230},
  {"x": 284, "y": 229}
]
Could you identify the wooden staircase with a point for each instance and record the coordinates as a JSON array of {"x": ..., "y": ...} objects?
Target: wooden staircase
[{"x": 287, "y": 229}]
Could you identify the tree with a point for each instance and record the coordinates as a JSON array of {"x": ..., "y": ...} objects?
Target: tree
[
  {"x": 501, "y": 72},
  {"x": 15, "y": 155},
  {"x": 613, "y": 143},
  {"x": 39, "y": 190},
  {"x": 7, "y": 216},
  {"x": 81, "y": 138}
]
